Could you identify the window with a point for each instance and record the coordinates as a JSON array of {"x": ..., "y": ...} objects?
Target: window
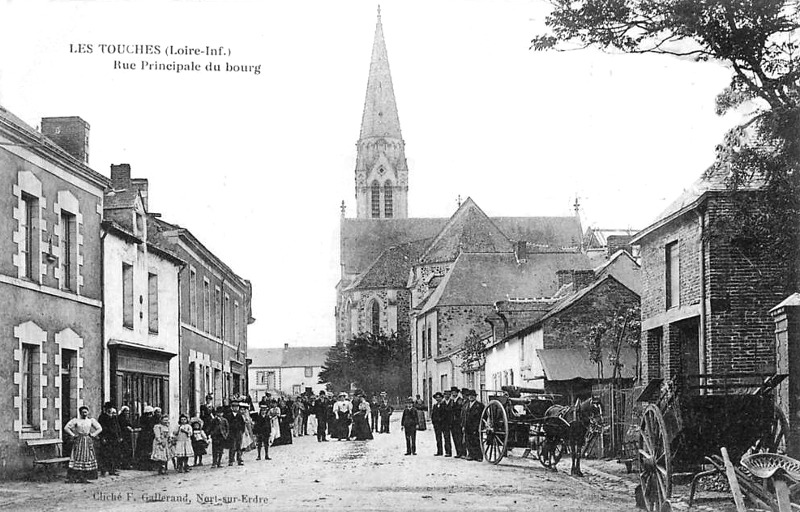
[
  {"x": 424, "y": 344},
  {"x": 68, "y": 251},
  {"x": 193, "y": 296},
  {"x": 374, "y": 313},
  {"x": 127, "y": 295},
  {"x": 296, "y": 389},
  {"x": 261, "y": 378},
  {"x": 443, "y": 382},
  {"x": 206, "y": 305},
  {"x": 387, "y": 200},
  {"x": 430, "y": 343},
  {"x": 236, "y": 321},
  {"x": 376, "y": 200},
  {"x": 30, "y": 386},
  {"x": 672, "y": 267},
  {"x": 309, "y": 371},
  {"x": 271, "y": 380},
  {"x": 29, "y": 219},
  {"x": 217, "y": 313},
  {"x": 152, "y": 302},
  {"x": 225, "y": 329}
]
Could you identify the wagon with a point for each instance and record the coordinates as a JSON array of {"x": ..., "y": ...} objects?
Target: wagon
[
  {"x": 511, "y": 420},
  {"x": 683, "y": 424}
]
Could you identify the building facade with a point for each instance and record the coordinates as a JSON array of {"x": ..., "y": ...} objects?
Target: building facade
[
  {"x": 50, "y": 286},
  {"x": 287, "y": 371}
]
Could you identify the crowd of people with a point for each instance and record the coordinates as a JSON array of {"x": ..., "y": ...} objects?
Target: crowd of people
[{"x": 105, "y": 445}]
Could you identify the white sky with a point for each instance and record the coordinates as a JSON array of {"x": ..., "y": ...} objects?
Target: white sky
[{"x": 257, "y": 165}]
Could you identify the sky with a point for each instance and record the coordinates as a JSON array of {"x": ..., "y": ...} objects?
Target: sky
[{"x": 256, "y": 164}]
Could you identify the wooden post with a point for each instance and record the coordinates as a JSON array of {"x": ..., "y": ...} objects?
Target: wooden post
[
  {"x": 782, "y": 494},
  {"x": 730, "y": 472}
]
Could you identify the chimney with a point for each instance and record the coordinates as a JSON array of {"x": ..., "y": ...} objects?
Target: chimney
[
  {"x": 564, "y": 277},
  {"x": 120, "y": 176},
  {"x": 285, "y": 346},
  {"x": 582, "y": 278},
  {"x": 616, "y": 242},
  {"x": 142, "y": 185},
  {"x": 522, "y": 251},
  {"x": 70, "y": 133}
]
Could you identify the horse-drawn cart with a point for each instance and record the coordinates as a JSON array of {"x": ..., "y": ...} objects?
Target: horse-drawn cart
[{"x": 682, "y": 424}]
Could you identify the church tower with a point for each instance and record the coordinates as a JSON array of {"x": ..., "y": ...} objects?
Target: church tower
[{"x": 381, "y": 169}]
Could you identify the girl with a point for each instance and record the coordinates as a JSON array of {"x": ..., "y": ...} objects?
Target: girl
[
  {"x": 161, "y": 452},
  {"x": 183, "y": 443},
  {"x": 82, "y": 461},
  {"x": 199, "y": 441}
]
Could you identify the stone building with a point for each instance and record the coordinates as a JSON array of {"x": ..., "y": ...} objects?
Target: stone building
[
  {"x": 140, "y": 290},
  {"x": 706, "y": 295},
  {"x": 287, "y": 371},
  {"x": 50, "y": 283}
]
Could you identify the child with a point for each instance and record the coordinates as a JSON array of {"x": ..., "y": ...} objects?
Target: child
[
  {"x": 409, "y": 423},
  {"x": 183, "y": 443},
  {"x": 219, "y": 436},
  {"x": 199, "y": 441},
  {"x": 161, "y": 452}
]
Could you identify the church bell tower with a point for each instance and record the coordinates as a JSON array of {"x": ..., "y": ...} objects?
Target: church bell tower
[{"x": 381, "y": 169}]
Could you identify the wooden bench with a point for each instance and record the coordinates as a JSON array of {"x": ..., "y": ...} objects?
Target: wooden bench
[{"x": 47, "y": 452}]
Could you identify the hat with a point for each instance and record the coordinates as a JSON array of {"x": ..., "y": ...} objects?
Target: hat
[
  {"x": 148, "y": 408},
  {"x": 113, "y": 411},
  {"x": 438, "y": 395},
  {"x": 219, "y": 409},
  {"x": 108, "y": 405},
  {"x": 124, "y": 408},
  {"x": 465, "y": 391},
  {"x": 446, "y": 391},
  {"x": 383, "y": 393},
  {"x": 209, "y": 396},
  {"x": 471, "y": 392},
  {"x": 410, "y": 399},
  {"x": 197, "y": 421},
  {"x": 455, "y": 389},
  {"x": 156, "y": 409}
]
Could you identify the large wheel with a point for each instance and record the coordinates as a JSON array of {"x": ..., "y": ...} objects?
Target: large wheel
[
  {"x": 494, "y": 432},
  {"x": 773, "y": 440},
  {"x": 553, "y": 447},
  {"x": 655, "y": 472}
]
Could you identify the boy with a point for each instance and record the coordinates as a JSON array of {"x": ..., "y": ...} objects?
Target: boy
[
  {"x": 219, "y": 436},
  {"x": 409, "y": 423}
]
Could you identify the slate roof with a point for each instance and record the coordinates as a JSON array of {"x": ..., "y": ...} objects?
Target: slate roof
[
  {"x": 125, "y": 198},
  {"x": 561, "y": 364},
  {"x": 290, "y": 357},
  {"x": 483, "y": 279},
  {"x": 392, "y": 267},
  {"x": 555, "y": 232}
]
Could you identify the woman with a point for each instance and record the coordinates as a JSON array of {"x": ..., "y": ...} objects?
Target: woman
[
  {"x": 285, "y": 423},
  {"x": 248, "y": 440},
  {"x": 275, "y": 426},
  {"x": 82, "y": 460},
  {"x": 144, "y": 445},
  {"x": 341, "y": 412},
  {"x": 125, "y": 432},
  {"x": 360, "y": 423}
]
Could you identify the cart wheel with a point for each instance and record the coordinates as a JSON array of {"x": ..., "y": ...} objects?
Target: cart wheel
[
  {"x": 494, "y": 432},
  {"x": 774, "y": 439},
  {"x": 552, "y": 448},
  {"x": 655, "y": 471}
]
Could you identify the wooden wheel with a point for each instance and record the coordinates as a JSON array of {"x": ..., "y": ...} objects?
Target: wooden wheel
[
  {"x": 773, "y": 440},
  {"x": 494, "y": 432},
  {"x": 655, "y": 472},
  {"x": 552, "y": 447}
]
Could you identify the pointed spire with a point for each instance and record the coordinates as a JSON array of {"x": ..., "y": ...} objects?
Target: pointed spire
[{"x": 380, "y": 109}]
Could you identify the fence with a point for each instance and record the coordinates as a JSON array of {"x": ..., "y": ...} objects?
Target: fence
[{"x": 621, "y": 416}]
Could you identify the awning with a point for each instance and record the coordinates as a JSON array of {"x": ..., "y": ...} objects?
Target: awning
[
  {"x": 130, "y": 345},
  {"x": 574, "y": 363}
]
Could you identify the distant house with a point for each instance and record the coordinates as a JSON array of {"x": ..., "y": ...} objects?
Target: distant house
[{"x": 285, "y": 371}]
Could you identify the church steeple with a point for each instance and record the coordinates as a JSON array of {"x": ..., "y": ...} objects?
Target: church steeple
[{"x": 381, "y": 169}]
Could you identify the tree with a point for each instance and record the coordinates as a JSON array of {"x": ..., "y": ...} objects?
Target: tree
[
  {"x": 473, "y": 353},
  {"x": 372, "y": 362},
  {"x": 757, "y": 40}
]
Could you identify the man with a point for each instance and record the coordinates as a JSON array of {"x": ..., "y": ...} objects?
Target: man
[
  {"x": 261, "y": 429},
  {"x": 456, "y": 406},
  {"x": 473, "y": 420},
  {"x": 297, "y": 411},
  {"x": 385, "y": 411},
  {"x": 374, "y": 412},
  {"x": 207, "y": 412},
  {"x": 440, "y": 418},
  {"x": 321, "y": 412},
  {"x": 109, "y": 441},
  {"x": 408, "y": 423},
  {"x": 218, "y": 432},
  {"x": 236, "y": 428}
]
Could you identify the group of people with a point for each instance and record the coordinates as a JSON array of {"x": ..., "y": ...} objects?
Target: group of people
[
  {"x": 358, "y": 418},
  {"x": 456, "y": 416}
]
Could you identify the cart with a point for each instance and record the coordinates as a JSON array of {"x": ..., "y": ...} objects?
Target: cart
[{"x": 682, "y": 424}]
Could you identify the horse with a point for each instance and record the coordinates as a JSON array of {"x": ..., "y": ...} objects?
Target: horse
[{"x": 576, "y": 420}]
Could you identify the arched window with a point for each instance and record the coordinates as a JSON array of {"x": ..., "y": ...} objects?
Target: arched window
[
  {"x": 388, "y": 207},
  {"x": 376, "y": 200},
  {"x": 374, "y": 317}
]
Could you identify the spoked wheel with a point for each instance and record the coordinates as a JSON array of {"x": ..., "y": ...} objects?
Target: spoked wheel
[
  {"x": 773, "y": 440},
  {"x": 655, "y": 472},
  {"x": 494, "y": 432},
  {"x": 553, "y": 447}
]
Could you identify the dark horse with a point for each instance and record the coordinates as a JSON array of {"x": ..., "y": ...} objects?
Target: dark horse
[{"x": 572, "y": 429}]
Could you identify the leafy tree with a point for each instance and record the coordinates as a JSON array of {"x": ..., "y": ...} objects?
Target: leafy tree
[
  {"x": 473, "y": 353},
  {"x": 614, "y": 332},
  {"x": 757, "y": 40},
  {"x": 372, "y": 362}
]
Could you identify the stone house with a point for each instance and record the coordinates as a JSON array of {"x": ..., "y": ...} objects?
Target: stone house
[
  {"x": 50, "y": 282},
  {"x": 287, "y": 371}
]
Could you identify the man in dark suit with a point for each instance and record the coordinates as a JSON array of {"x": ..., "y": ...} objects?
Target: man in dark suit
[
  {"x": 440, "y": 418},
  {"x": 474, "y": 410},
  {"x": 261, "y": 429},
  {"x": 320, "y": 410},
  {"x": 235, "y": 433},
  {"x": 456, "y": 405},
  {"x": 408, "y": 423}
]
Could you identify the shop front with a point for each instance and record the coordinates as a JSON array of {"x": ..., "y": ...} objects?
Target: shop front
[{"x": 140, "y": 376}]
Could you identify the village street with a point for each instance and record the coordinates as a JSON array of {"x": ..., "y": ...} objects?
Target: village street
[{"x": 339, "y": 475}]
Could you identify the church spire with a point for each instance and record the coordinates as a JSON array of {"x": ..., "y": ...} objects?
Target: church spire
[{"x": 381, "y": 169}]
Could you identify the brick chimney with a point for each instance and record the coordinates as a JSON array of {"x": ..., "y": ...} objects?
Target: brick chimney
[
  {"x": 616, "y": 242},
  {"x": 70, "y": 133},
  {"x": 582, "y": 278},
  {"x": 120, "y": 176},
  {"x": 521, "y": 250},
  {"x": 564, "y": 277}
]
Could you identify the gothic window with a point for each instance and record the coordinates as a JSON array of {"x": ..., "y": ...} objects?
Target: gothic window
[
  {"x": 374, "y": 315},
  {"x": 387, "y": 200},
  {"x": 376, "y": 200}
]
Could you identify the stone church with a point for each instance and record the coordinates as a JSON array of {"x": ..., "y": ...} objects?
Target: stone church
[{"x": 392, "y": 264}]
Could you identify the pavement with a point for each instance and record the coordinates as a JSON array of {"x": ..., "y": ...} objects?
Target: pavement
[{"x": 345, "y": 475}]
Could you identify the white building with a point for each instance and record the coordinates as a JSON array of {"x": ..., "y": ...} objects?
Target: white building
[
  {"x": 140, "y": 291},
  {"x": 285, "y": 371}
]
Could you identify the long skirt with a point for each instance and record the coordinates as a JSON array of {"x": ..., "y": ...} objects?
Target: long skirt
[
  {"x": 421, "y": 420},
  {"x": 312, "y": 423},
  {"x": 361, "y": 428},
  {"x": 275, "y": 430},
  {"x": 341, "y": 425},
  {"x": 83, "y": 457}
]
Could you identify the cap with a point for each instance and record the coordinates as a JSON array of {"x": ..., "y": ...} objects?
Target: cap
[{"x": 438, "y": 395}]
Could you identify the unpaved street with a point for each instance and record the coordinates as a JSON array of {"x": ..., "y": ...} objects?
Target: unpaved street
[{"x": 339, "y": 475}]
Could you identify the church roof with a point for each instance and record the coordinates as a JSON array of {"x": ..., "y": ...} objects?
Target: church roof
[
  {"x": 468, "y": 230},
  {"x": 483, "y": 279},
  {"x": 556, "y": 233},
  {"x": 287, "y": 357},
  {"x": 392, "y": 267},
  {"x": 380, "y": 117}
]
